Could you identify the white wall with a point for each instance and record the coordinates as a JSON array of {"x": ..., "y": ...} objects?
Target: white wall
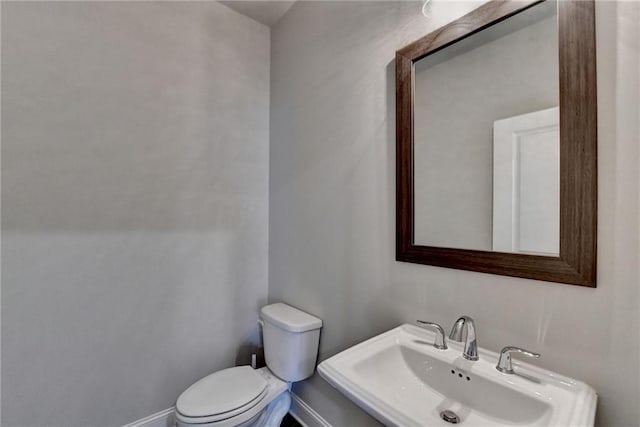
[
  {"x": 134, "y": 203},
  {"x": 332, "y": 204}
]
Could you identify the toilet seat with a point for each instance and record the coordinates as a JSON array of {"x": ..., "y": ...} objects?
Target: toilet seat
[
  {"x": 228, "y": 397},
  {"x": 222, "y": 394}
]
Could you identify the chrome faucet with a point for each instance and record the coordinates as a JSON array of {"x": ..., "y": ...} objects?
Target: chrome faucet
[
  {"x": 470, "y": 344},
  {"x": 440, "y": 342},
  {"x": 504, "y": 363}
]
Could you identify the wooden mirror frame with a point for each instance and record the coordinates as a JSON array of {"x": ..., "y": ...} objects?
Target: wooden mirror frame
[{"x": 576, "y": 263}]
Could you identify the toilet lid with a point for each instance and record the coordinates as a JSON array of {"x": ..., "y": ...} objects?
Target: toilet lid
[{"x": 221, "y": 392}]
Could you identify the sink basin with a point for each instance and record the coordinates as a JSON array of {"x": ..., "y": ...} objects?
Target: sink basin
[{"x": 399, "y": 378}]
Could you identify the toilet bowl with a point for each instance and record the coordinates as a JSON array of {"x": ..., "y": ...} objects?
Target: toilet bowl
[
  {"x": 231, "y": 397},
  {"x": 242, "y": 396}
]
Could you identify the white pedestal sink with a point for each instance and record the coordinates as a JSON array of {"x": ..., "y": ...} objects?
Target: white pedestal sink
[{"x": 401, "y": 379}]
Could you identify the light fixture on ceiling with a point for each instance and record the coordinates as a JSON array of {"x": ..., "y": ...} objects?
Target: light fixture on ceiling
[{"x": 425, "y": 8}]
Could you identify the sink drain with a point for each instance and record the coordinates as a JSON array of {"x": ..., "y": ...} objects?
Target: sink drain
[{"x": 450, "y": 417}]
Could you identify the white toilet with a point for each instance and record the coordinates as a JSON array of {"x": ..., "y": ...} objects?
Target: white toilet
[{"x": 243, "y": 396}]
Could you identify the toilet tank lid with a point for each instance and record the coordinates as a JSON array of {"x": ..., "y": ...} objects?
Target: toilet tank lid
[{"x": 289, "y": 318}]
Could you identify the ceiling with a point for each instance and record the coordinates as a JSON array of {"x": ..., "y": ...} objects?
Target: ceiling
[{"x": 266, "y": 11}]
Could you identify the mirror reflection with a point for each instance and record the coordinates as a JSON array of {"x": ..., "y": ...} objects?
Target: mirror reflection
[{"x": 486, "y": 150}]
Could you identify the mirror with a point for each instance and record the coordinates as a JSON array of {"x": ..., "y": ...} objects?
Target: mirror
[
  {"x": 486, "y": 144},
  {"x": 496, "y": 142}
]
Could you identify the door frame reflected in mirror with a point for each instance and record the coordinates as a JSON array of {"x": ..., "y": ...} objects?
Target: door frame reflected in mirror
[{"x": 576, "y": 262}]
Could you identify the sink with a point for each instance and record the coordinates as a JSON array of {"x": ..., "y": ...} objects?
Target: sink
[{"x": 399, "y": 378}]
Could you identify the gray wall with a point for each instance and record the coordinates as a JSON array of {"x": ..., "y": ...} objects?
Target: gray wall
[
  {"x": 134, "y": 203},
  {"x": 332, "y": 205},
  {"x": 457, "y": 99}
]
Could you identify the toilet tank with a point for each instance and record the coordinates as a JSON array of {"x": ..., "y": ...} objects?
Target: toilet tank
[{"x": 290, "y": 337}]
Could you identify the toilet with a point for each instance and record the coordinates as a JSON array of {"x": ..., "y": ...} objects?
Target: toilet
[{"x": 243, "y": 396}]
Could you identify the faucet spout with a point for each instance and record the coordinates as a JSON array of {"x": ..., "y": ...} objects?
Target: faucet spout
[{"x": 470, "y": 342}]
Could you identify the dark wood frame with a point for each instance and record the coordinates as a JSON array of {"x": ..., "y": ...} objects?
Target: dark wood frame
[{"x": 576, "y": 263}]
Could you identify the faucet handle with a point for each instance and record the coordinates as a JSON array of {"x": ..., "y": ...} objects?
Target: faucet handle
[
  {"x": 504, "y": 363},
  {"x": 440, "y": 343}
]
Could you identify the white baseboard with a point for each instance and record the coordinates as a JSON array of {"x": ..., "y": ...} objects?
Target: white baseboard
[
  {"x": 159, "y": 419},
  {"x": 305, "y": 414},
  {"x": 302, "y": 412}
]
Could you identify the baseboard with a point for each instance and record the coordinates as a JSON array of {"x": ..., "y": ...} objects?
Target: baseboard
[
  {"x": 159, "y": 419},
  {"x": 305, "y": 414},
  {"x": 299, "y": 410}
]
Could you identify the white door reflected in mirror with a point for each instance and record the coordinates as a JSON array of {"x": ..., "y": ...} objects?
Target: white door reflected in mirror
[{"x": 526, "y": 183}]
